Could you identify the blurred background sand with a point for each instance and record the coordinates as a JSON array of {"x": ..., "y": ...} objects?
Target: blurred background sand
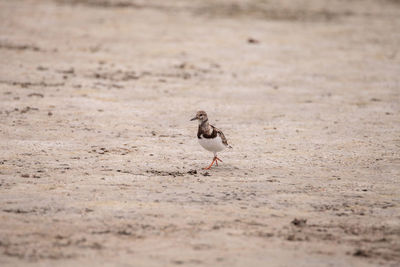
[{"x": 99, "y": 163}]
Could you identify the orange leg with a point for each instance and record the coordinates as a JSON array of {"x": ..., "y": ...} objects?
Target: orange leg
[
  {"x": 209, "y": 167},
  {"x": 215, "y": 159}
]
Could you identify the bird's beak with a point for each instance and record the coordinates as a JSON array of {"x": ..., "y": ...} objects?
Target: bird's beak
[{"x": 195, "y": 118}]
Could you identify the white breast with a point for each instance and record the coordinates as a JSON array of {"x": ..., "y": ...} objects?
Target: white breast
[{"x": 212, "y": 144}]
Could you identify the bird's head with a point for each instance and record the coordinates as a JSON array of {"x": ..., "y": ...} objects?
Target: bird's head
[{"x": 201, "y": 116}]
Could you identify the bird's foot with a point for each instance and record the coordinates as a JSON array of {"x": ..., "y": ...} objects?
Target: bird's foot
[
  {"x": 209, "y": 167},
  {"x": 215, "y": 160}
]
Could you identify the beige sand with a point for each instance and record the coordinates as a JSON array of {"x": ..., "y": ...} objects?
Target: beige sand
[{"x": 99, "y": 162}]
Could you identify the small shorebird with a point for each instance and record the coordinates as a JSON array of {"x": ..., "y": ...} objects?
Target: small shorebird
[{"x": 210, "y": 138}]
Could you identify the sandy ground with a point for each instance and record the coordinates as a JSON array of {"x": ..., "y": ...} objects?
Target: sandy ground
[{"x": 99, "y": 162}]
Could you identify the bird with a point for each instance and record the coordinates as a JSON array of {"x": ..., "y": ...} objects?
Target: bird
[{"x": 209, "y": 137}]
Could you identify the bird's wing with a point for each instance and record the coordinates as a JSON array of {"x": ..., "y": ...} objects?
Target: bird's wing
[{"x": 221, "y": 134}]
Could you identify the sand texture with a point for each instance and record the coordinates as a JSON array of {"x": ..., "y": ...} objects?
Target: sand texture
[{"x": 100, "y": 165}]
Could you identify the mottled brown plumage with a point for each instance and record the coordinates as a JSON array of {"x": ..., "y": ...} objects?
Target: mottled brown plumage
[
  {"x": 210, "y": 137},
  {"x": 214, "y": 133}
]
